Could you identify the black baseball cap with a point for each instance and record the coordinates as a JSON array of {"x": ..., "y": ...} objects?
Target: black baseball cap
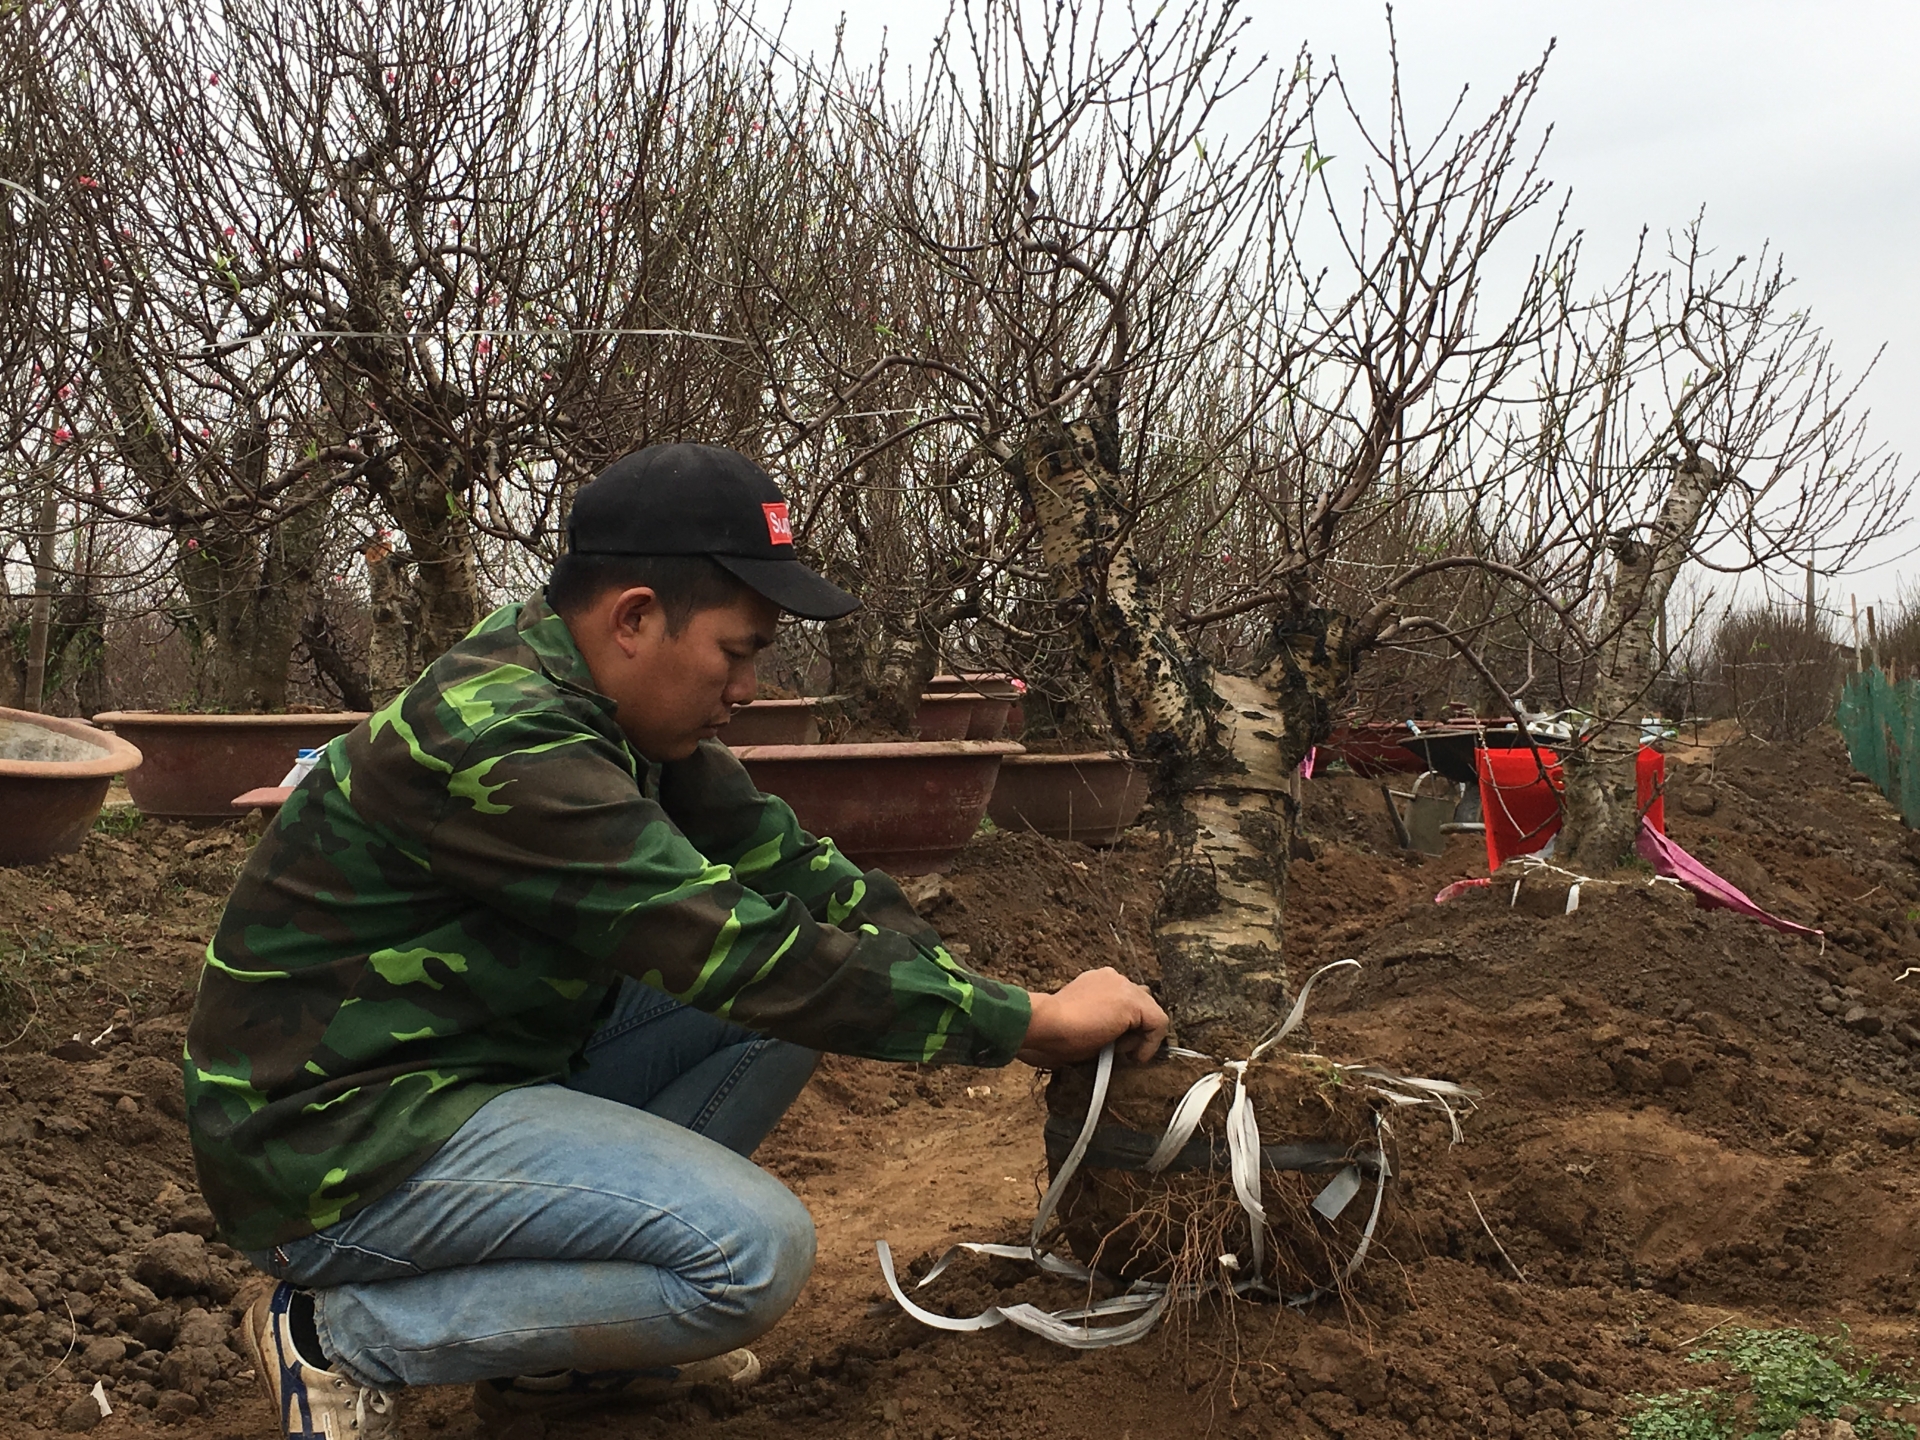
[{"x": 685, "y": 499}]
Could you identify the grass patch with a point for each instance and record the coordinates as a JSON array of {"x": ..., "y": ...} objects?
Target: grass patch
[
  {"x": 37, "y": 968},
  {"x": 118, "y": 820},
  {"x": 1790, "y": 1375}
]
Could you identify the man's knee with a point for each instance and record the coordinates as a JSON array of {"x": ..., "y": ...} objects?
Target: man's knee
[{"x": 773, "y": 1264}]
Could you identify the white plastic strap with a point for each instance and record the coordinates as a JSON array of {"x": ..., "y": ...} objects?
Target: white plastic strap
[
  {"x": 1299, "y": 1011},
  {"x": 1056, "y": 1328},
  {"x": 1243, "y": 1158},
  {"x": 1102, "y": 1074},
  {"x": 1186, "y": 1116}
]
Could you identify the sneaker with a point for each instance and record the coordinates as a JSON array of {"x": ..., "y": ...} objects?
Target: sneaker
[
  {"x": 565, "y": 1391},
  {"x": 312, "y": 1404}
]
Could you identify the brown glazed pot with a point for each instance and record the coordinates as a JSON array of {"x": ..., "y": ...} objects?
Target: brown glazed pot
[
  {"x": 907, "y": 808},
  {"x": 196, "y": 764},
  {"x": 772, "y": 722},
  {"x": 1090, "y": 798},
  {"x": 990, "y": 721},
  {"x": 54, "y": 776},
  {"x": 945, "y": 717}
]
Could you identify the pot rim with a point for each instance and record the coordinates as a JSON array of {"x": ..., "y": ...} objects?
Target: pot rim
[
  {"x": 1083, "y": 757},
  {"x": 121, "y": 755},
  {"x": 168, "y": 719},
  {"x": 885, "y": 750}
]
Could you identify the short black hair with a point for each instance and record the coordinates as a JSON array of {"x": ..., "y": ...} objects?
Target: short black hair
[{"x": 686, "y": 584}]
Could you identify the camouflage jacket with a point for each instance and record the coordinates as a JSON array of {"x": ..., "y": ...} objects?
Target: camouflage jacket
[{"x": 442, "y": 906}]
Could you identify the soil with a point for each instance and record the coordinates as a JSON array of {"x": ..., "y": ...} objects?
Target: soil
[{"x": 1687, "y": 1121}]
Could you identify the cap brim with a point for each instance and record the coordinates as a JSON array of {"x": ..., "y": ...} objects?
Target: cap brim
[{"x": 791, "y": 586}]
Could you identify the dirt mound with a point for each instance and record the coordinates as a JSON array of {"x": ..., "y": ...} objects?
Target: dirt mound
[{"x": 1688, "y": 1121}]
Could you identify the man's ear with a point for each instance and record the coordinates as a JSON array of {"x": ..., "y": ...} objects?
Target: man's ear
[{"x": 631, "y": 613}]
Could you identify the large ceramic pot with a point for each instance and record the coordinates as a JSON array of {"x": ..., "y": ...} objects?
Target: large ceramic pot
[
  {"x": 772, "y": 722},
  {"x": 1090, "y": 798},
  {"x": 907, "y": 808},
  {"x": 945, "y": 717},
  {"x": 999, "y": 712},
  {"x": 1373, "y": 749},
  {"x": 196, "y": 764},
  {"x": 54, "y": 776}
]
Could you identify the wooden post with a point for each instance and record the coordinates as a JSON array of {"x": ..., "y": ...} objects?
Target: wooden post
[
  {"x": 1853, "y": 602},
  {"x": 1811, "y": 617},
  {"x": 1873, "y": 639}
]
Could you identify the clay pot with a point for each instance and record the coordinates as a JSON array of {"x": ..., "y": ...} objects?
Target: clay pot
[
  {"x": 1373, "y": 749},
  {"x": 196, "y": 764},
  {"x": 772, "y": 722},
  {"x": 54, "y": 776},
  {"x": 1090, "y": 798},
  {"x": 907, "y": 808},
  {"x": 945, "y": 717},
  {"x": 990, "y": 721}
]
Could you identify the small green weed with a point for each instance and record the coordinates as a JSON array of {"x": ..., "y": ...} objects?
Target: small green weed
[
  {"x": 1791, "y": 1375},
  {"x": 118, "y": 820},
  {"x": 1683, "y": 1415}
]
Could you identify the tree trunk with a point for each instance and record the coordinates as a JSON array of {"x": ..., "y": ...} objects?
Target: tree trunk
[
  {"x": 1602, "y": 807},
  {"x": 907, "y": 664},
  {"x": 445, "y": 586},
  {"x": 393, "y": 650},
  {"x": 40, "y": 616},
  {"x": 1223, "y": 747},
  {"x": 287, "y": 573}
]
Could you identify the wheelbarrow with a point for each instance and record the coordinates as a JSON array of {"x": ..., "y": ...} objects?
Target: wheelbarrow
[{"x": 1424, "y": 816}]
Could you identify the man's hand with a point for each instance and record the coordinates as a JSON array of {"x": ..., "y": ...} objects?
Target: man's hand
[{"x": 1073, "y": 1022}]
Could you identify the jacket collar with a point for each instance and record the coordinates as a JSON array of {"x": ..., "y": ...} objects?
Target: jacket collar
[{"x": 546, "y": 634}]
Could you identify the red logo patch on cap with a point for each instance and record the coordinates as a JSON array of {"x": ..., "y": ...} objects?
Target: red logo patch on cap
[{"x": 779, "y": 528}]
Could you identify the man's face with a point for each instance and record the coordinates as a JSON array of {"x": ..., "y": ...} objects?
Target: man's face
[{"x": 673, "y": 690}]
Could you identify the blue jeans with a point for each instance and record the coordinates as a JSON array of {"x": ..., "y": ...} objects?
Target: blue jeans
[{"x": 612, "y": 1222}]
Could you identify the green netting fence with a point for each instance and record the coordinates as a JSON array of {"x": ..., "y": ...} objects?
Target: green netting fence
[{"x": 1880, "y": 720}]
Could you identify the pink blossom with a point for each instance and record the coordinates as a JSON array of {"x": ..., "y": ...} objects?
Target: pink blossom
[
  {"x": 227, "y": 230},
  {"x": 205, "y": 433},
  {"x": 193, "y": 544},
  {"x": 62, "y": 435},
  {"x": 485, "y": 347},
  {"x": 86, "y": 182},
  {"x": 65, "y": 392},
  {"x": 214, "y": 78}
]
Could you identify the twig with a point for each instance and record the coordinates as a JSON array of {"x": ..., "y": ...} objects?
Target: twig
[
  {"x": 73, "y": 1338},
  {"x": 1689, "y": 1344},
  {"x": 1496, "y": 1240},
  {"x": 1910, "y": 970}
]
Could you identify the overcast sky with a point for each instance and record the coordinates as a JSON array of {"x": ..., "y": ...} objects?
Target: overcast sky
[{"x": 1796, "y": 123}]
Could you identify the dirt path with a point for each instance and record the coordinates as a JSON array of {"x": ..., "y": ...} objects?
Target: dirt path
[{"x": 1688, "y": 1121}]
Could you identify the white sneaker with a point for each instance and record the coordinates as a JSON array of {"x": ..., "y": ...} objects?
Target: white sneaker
[
  {"x": 566, "y": 1391},
  {"x": 312, "y": 1404}
]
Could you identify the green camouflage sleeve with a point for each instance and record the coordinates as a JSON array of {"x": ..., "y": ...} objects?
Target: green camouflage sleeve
[
  {"x": 545, "y": 822},
  {"x": 714, "y": 802}
]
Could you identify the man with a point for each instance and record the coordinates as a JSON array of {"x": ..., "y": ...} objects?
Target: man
[{"x": 526, "y": 968}]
